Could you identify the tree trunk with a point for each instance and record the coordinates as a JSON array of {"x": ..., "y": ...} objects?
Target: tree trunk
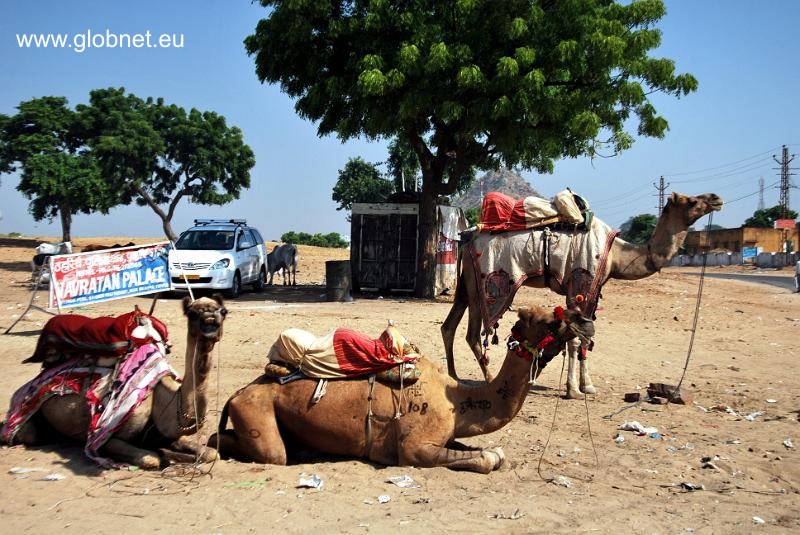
[
  {"x": 65, "y": 212},
  {"x": 168, "y": 232},
  {"x": 426, "y": 261}
]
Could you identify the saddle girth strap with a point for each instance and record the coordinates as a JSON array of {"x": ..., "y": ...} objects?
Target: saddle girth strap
[{"x": 368, "y": 423}]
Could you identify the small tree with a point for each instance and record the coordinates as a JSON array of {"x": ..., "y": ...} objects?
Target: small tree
[
  {"x": 59, "y": 174},
  {"x": 470, "y": 83},
  {"x": 639, "y": 229},
  {"x": 359, "y": 181},
  {"x": 403, "y": 165},
  {"x": 766, "y": 218},
  {"x": 156, "y": 154}
]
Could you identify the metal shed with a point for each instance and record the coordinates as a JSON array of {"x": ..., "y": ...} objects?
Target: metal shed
[{"x": 383, "y": 246}]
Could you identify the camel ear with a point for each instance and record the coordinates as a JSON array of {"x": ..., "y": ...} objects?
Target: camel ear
[
  {"x": 218, "y": 298},
  {"x": 524, "y": 313},
  {"x": 187, "y": 302}
]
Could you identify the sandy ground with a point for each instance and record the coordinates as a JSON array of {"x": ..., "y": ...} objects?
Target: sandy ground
[{"x": 744, "y": 359}]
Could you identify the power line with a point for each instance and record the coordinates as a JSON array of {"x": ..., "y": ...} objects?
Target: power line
[{"x": 766, "y": 152}]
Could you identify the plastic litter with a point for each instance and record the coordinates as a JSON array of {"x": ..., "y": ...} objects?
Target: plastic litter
[
  {"x": 384, "y": 498},
  {"x": 53, "y": 477},
  {"x": 313, "y": 482},
  {"x": 516, "y": 515},
  {"x": 656, "y": 436},
  {"x": 23, "y": 470},
  {"x": 619, "y": 439},
  {"x": 692, "y": 487},
  {"x": 563, "y": 481},
  {"x": 758, "y": 520},
  {"x": 404, "y": 482},
  {"x": 772, "y": 401},
  {"x": 752, "y": 416},
  {"x": 788, "y": 444},
  {"x": 638, "y": 428}
]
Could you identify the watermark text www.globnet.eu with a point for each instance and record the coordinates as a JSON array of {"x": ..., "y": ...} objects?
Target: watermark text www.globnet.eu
[{"x": 80, "y": 42}]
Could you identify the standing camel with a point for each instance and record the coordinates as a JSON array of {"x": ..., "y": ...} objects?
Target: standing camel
[
  {"x": 268, "y": 418},
  {"x": 172, "y": 410},
  {"x": 624, "y": 261}
]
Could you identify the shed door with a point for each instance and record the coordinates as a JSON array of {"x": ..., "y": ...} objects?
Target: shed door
[{"x": 388, "y": 252}]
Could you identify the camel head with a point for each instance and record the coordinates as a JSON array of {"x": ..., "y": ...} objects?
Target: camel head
[
  {"x": 537, "y": 323},
  {"x": 206, "y": 316},
  {"x": 693, "y": 208}
]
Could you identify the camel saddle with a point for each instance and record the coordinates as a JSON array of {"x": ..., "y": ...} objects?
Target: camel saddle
[
  {"x": 344, "y": 354},
  {"x": 68, "y": 335},
  {"x": 502, "y": 213}
]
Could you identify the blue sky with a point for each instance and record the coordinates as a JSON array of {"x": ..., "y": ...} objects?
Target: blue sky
[{"x": 721, "y": 138}]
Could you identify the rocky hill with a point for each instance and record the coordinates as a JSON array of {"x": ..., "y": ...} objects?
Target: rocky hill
[{"x": 504, "y": 180}]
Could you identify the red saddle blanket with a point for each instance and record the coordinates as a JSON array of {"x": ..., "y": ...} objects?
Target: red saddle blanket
[{"x": 103, "y": 336}]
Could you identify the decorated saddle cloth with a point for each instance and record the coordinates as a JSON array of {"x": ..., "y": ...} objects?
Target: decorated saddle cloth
[
  {"x": 342, "y": 353},
  {"x": 504, "y": 261},
  {"x": 111, "y": 394},
  {"x": 502, "y": 213},
  {"x": 73, "y": 334}
]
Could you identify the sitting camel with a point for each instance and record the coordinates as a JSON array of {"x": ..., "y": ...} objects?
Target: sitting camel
[
  {"x": 283, "y": 258},
  {"x": 358, "y": 417},
  {"x": 172, "y": 410},
  {"x": 623, "y": 260}
]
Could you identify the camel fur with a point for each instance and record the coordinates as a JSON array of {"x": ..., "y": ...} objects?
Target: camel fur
[
  {"x": 414, "y": 426},
  {"x": 171, "y": 412},
  {"x": 625, "y": 261}
]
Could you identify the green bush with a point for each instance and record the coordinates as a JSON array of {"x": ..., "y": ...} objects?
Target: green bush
[{"x": 332, "y": 239}]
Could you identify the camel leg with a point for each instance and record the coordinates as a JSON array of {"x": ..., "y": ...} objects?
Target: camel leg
[
  {"x": 449, "y": 328},
  {"x": 585, "y": 381},
  {"x": 474, "y": 338},
  {"x": 187, "y": 450},
  {"x": 573, "y": 392},
  {"x": 121, "y": 451},
  {"x": 430, "y": 455},
  {"x": 255, "y": 436}
]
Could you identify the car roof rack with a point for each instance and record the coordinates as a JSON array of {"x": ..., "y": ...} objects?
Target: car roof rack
[{"x": 201, "y": 222}]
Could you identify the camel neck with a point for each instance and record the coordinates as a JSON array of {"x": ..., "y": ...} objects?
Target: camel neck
[
  {"x": 488, "y": 407},
  {"x": 195, "y": 380},
  {"x": 633, "y": 262}
]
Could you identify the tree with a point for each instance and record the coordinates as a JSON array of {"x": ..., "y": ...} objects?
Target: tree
[
  {"x": 639, "y": 229},
  {"x": 473, "y": 215},
  {"x": 403, "y": 165},
  {"x": 766, "y": 218},
  {"x": 360, "y": 181},
  {"x": 470, "y": 83},
  {"x": 156, "y": 154},
  {"x": 332, "y": 239},
  {"x": 59, "y": 174}
]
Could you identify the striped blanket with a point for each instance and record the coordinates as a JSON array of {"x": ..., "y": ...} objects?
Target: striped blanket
[{"x": 111, "y": 395}]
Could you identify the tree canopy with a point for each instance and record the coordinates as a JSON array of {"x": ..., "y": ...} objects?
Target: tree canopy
[
  {"x": 156, "y": 153},
  {"x": 332, "y": 239},
  {"x": 59, "y": 174},
  {"x": 360, "y": 181},
  {"x": 767, "y": 217},
  {"x": 471, "y": 83},
  {"x": 639, "y": 229}
]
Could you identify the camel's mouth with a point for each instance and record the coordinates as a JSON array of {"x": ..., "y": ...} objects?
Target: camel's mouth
[
  {"x": 211, "y": 331},
  {"x": 716, "y": 204}
]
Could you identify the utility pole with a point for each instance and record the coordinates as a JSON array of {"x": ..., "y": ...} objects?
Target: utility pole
[
  {"x": 760, "y": 194},
  {"x": 785, "y": 182},
  {"x": 661, "y": 187}
]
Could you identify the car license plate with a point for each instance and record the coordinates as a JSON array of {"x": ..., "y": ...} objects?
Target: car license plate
[{"x": 192, "y": 277}]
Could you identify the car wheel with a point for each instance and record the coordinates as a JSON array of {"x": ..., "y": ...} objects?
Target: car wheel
[
  {"x": 236, "y": 287},
  {"x": 797, "y": 283},
  {"x": 261, "y": 281}
]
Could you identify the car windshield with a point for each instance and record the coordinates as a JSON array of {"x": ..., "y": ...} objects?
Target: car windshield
[{"x": 206, "y": 239}]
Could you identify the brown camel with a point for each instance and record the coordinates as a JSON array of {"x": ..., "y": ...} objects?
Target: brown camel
[
  {"x": 172, "y": 411},
  {"x": 269, "y": 419},
  {"x": 625, "y": 261}
]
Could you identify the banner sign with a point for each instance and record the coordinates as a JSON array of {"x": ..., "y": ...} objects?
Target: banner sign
[{"x": 86, "y": 278}]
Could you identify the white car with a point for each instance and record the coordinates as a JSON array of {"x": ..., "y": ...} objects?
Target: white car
[{"x": 219, "y": 254}]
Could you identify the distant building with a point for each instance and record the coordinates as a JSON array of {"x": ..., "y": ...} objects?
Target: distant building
[{"x": 769, "y": 240}]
